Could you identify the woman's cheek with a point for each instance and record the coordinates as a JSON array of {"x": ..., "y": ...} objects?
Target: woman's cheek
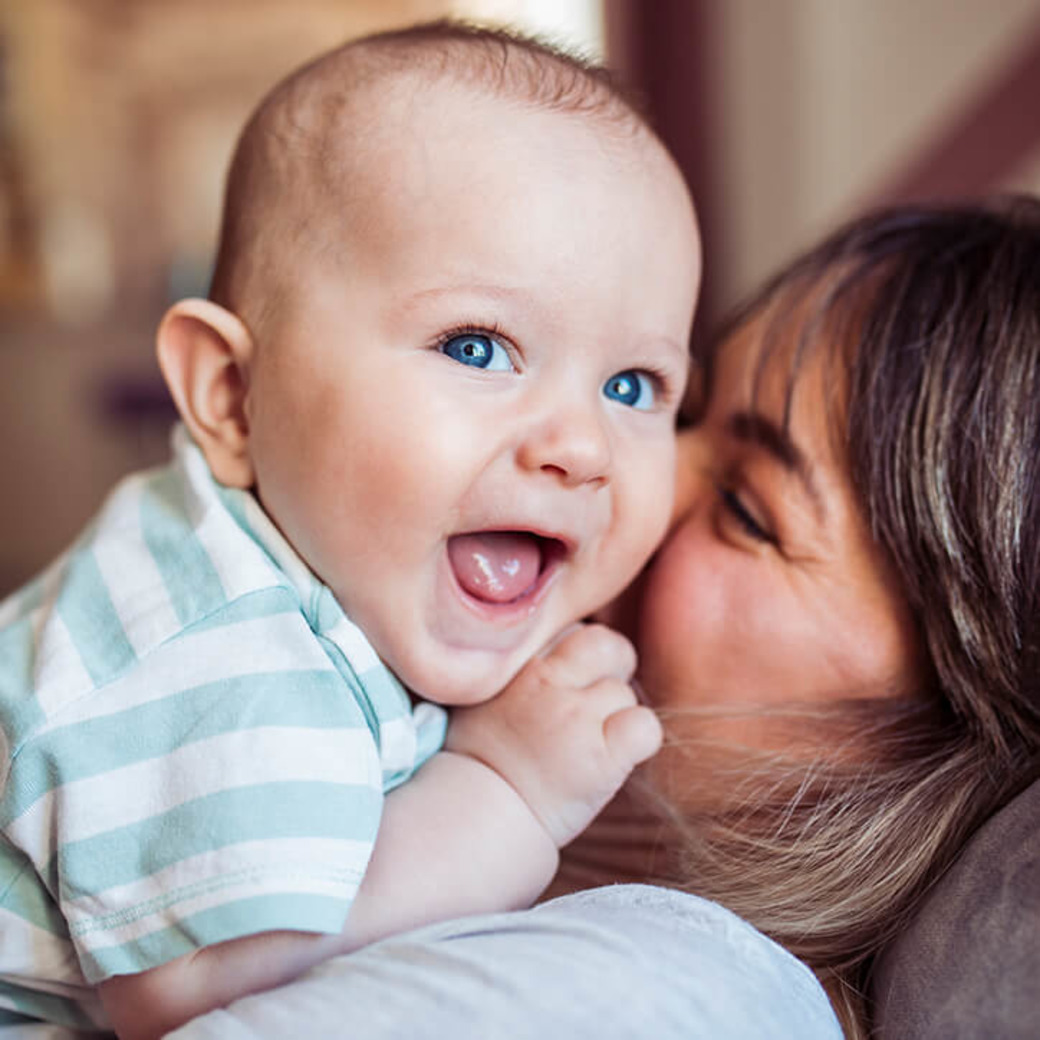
[{"x": 666, "y": 614}]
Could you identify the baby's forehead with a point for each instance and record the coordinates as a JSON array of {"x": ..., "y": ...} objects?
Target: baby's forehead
[
  {"x": 368, "y": 156},
  {"x": 356, "y": 94},
  {"x": 412, "y": 112},
  {"x": 332, "y": 140}
]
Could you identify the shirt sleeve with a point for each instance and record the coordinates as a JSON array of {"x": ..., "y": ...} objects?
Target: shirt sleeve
[
  {"x": 628, "y": 961},
  {"x": 229, "y": 785}
]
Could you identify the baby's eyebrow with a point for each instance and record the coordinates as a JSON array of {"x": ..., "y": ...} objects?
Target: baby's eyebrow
[
  {"x": 494, "y": 291},
  {"x": 755, "y": 428}
]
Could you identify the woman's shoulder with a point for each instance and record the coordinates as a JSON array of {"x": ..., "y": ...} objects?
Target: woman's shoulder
[{"x": 615, "y": 962}]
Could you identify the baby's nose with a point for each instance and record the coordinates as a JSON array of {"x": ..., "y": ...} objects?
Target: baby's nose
[{"x": 571, "y": 443}]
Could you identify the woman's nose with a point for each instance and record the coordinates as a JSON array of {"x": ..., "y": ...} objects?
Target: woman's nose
[{"x": 572, "y": 443}]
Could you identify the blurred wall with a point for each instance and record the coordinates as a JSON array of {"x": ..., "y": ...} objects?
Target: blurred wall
[
  {"x": 117, "y": 118},
  {"x": 821, "y": 104}
]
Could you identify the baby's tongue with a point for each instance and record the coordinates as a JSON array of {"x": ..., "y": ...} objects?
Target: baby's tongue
[{"x": 497, "y": 566}]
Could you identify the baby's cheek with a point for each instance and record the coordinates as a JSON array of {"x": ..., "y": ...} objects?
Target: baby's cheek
[
  {"x": 630, "y": 547},
  {"x": 650, "y": 510}
]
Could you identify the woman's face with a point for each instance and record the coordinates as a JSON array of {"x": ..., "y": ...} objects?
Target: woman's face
[{"x": 769, "y": 589}]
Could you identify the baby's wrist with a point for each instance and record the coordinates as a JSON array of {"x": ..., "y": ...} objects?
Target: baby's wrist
[{"x": 514, "y": 802}]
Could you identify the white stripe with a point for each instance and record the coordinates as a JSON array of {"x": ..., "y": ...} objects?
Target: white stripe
[
  {"x": 272, "y": 883},
  {"x": 94, "y": 805},
  {"x": 239, "y": 562},
  {"x": 134, "y": 582},
  {"x": 220, "y": 876},
  {"x": 284, "y": 554},
  {"x": 278, "y": 643},
  {"x": 269, "y": 883},
  {"x": 60, "y": 673},
  {"x": 397, "y": 743},
  {"x": 35, "y": 953},
  {"x": 354, "y": 643}
]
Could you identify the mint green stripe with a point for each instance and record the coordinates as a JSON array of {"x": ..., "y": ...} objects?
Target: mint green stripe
[
  {"x": 297, "y": 809},
  {"x": 191, "y": 580},
  {"x": 21, "y": 712},
  {"x": 271, "y": 602},
  {"x": 357, "y": 691},
  {"x": 304, "y": 913},
  {"x": 24, "y": 894},
  {"x": 234, "y": 501},
  {"x": 430, "y": 739},
  {"x": 304, "y": 699},
  {"x": 45, "y": 1007},
  {"x": 9, "y": 1019},
  {"x": 93, "y": 622},
  {"x": 386, "y": 694},
  {"x": 16, "y": 654},
  {"x": 378, "y": 691},
  {"x": 237, "y": 501}
]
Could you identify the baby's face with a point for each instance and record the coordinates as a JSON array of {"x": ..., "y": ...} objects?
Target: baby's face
[{"x": 463, "y": 417}]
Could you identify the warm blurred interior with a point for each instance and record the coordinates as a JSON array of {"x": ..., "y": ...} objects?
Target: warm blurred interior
[{"x": 117, "y": 118}]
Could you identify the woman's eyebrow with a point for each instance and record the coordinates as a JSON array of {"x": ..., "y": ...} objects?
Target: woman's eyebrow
[{"x": 757, "y": 429}]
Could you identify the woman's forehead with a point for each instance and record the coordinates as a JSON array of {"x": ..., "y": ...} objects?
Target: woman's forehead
[{"x": 788, "y": 364}]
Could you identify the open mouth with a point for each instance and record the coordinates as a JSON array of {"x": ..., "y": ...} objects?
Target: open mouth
[{"x": 503, "y": 567}]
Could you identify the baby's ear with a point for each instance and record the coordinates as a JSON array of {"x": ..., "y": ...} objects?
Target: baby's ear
[{"x": 204, "y": 352}]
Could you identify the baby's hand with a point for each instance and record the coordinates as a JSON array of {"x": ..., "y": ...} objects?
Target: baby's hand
[{"x": 566, "y": 732}]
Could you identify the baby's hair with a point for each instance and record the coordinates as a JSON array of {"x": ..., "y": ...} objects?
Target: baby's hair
[
  {"x": 501, "y": 61},
  {"x": 304, "y": 133}
]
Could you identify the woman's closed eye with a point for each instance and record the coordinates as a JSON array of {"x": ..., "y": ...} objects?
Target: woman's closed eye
[{"x": 743, "y": 517}]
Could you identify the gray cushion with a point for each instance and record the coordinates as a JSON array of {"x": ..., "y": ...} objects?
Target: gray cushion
[{"x": 969, "y": 963}]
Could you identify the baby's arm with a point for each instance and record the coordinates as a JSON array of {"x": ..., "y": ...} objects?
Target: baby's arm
[{"x": 477, "y": 828}]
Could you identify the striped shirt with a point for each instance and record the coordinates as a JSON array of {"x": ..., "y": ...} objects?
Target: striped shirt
[{"x": 195, "y": 742}]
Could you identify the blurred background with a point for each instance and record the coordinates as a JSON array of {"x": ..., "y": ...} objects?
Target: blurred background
[{"x": 117, "y": 118}]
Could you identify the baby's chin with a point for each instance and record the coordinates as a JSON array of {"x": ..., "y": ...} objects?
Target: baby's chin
[{"x": 456, "y": 682}]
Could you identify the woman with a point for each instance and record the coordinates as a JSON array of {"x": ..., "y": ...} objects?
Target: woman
[
  {"x": 841, "y": 632},
  {"x": 842, "y": 629}
]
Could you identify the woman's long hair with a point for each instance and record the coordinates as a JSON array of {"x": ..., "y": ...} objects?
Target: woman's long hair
[{"x": 932, "y": 316}]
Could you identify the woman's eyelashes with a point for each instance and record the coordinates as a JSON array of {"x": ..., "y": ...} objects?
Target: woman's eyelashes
[
  {"x": 477, "y": 350},
  {"x": 739, "y": 513}
]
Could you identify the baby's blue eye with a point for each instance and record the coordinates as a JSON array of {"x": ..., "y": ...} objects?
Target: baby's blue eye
[
  {"x": 478, "y": 351},
  {"x": 635, "y": 389}
]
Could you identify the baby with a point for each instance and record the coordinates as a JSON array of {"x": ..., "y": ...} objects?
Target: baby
[{"x": 428, "y": 422}]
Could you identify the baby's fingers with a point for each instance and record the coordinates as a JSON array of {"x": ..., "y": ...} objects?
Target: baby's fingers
[
  {"x": 587, "y": 653},
  {"x": 632, "y": 735}
]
